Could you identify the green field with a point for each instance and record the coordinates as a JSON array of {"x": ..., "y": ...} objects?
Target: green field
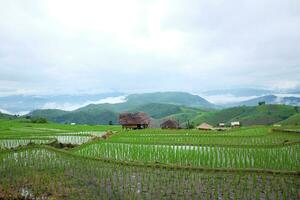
[
  {"x": 14, "y": 133},
  {"x": 242, "y": 163}
]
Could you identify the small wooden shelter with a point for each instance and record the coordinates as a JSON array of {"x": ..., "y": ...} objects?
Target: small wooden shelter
[
  {"x": 205, "y": 126},
  {"x": 169, "y": 124},
  {"x": 137, "y": 120}
]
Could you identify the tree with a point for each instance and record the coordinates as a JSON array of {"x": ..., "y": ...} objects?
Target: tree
[{"x": 190, "y": 125}]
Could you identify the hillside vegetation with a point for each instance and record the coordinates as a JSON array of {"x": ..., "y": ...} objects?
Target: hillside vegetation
[
  {"x": 292, "y": 120},
  {"x": 177, "y": 105},
  {"x": 93, "y": 114},
  {"x": 180, "y": 106},
  {"x": 5, "y": 116},
  {"x": 177, "y": 98},
  {"x": 255, "y": 115}
]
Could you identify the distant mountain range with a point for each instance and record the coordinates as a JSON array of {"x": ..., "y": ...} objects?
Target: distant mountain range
[
  {"x": 177, "y": 98},
  {"x": 269, "y": 99},
  {"x": 25, "y": 103},
  {"x": 176, "y": 105},
  {"x": 240, "y": 92},
  {"x": 181, "y": 106},
  {"x": 6, "y": 116},
  {"x": 162, "y": 105},
  {"x": 157, "y": 105},
  {"x": 22, "y": 104}
]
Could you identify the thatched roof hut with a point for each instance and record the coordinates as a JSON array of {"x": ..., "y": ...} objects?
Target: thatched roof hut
[
  {"x": 137, "y": 120},
  {"x": 169, "y": 124},
  {"x": 205, "y": 126}
]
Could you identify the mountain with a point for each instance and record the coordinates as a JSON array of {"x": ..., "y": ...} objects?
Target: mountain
[
  {"x": 50, "y": 114},
  {"x": 239, "y": 92},
  {"x": 160, "y": 105},
  {"x": 249, "y": 115},
  {"x": 269, "y": 99},
  {"x": 103, "y": 114},
  {"x": 158, "y": 110},
  {"x": 93, "y": 118},
  {"x": 176, "y": 98},
  {"x": 6, "y": 116},
  {"x": 176, "y": 105},
  {"x": 27, "y": 103},
  {"x": 79, "y": 117},
  {"x": 295, "y": 90}
]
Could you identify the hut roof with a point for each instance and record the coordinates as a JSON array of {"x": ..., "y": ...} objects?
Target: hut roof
[
  {"x": 204, "y": 126},
  {"x": 169, "y": 124},
  {"x": 134, "y": 118}
]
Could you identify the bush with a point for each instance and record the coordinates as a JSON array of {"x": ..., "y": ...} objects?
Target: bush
[{"x": 39, "y": 120}]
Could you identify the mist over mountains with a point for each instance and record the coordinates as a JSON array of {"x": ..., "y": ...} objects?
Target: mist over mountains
[
  {"x": 181, "y": 106},
  {"x": 23, "y": 104}
]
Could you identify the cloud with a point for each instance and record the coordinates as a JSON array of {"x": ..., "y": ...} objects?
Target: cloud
[
  {"x": 66, "y": 46},
  {"x": 72, "y": 106},
  {"x": 14, "y": 113},
  {"x": 5, "y": 111},
  {"x": 227, "y": 98},
  {"x": 285, "y": 84}
]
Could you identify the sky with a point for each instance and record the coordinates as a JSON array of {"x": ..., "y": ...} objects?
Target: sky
[{"x": 95, "y": 46}]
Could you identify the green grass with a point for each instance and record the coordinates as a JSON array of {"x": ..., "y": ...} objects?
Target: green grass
[{"x": 293, "y": 120}]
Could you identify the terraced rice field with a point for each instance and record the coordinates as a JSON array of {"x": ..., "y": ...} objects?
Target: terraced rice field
[
  {"x": 65, "y": 138},
  {"x": 245, "y": 163},
  {"x": 50, "y": 173},
  {"x": 277, "y": 158},
  {"x": 12, "y": 143},
  {"x": 16, "y": 135}
]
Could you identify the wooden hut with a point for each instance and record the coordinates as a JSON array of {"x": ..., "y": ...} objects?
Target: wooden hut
[
  {"x": 137, "y": 120},
  {"x": 205, "y": 126},
  {"x": 169, "y": 124}
]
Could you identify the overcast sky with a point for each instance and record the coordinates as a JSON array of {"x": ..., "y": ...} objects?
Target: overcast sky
[{"x": 88, "y": 46}]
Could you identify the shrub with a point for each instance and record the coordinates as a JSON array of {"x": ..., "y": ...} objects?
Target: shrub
[{"x": 39, "y": 120}]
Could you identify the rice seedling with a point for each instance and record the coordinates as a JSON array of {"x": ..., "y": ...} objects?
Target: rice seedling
[
  {"x": 12, "y": 143},
  {"x": 247, "y": 163},
  {"x": 285, "y": 157}
]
